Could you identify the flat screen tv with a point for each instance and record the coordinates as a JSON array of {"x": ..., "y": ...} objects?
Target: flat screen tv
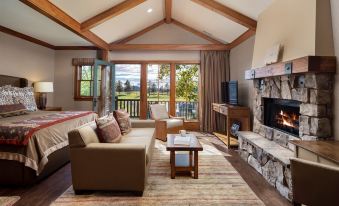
[{"x": 229, "y": 92}]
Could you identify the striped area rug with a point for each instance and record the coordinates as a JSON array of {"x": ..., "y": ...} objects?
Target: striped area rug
[
  {"x": 8, "y": 200},
  {"x": 218, "y": 184}
]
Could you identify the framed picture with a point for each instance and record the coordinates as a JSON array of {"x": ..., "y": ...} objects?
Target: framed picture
[{"x": 272, "y": 55}]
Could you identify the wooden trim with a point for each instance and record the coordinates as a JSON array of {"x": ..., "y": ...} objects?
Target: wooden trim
[
  {"x": 196, "y": 32},
  {"x": 155, "y": 61},
  {"x": 143, "y": 92},
  {"x": 139, "y": 33},
  {"x": 54, "y": 13},
  {"x": 76, "y": 48},
  {"x": 168, "y": 11},
  {"x": 316, "y": 64},
  {"x": 110, "y": 13},
  {"x": 102, "y": 55},
  {"x": 172, "y": 89},
  {"x": 25, "y": 37},
  {"x": 246, "y": 35},
  {"x": 228, "y": 13},
  {"x": 170, "y": 47}
]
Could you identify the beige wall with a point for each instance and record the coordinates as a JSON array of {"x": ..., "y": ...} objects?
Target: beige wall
[
  {"x": 21, "y": 58},
  {"x": 155, "y": 55},
  {"x": 302, "y": 27},
  {"x": 241, "y": 60},
  {"x": 64, "y": 80},
  {"x": 335, "y": 22}
]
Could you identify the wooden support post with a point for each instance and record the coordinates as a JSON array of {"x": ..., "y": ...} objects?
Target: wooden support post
[
  {"x": 172, "y": 90},
  {"x": 143, "y": 92}
]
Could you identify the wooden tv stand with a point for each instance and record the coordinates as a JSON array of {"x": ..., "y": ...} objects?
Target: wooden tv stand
[{"x": 233, "y": 114}]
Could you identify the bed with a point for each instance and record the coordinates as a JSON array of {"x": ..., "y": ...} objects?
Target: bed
[{"x": 34, "y": 145}]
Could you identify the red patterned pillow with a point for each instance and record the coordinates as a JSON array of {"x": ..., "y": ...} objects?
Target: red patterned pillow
[
  {"x": 12, "y": 110},
  {"x": 108, "y": 129},
  {"x": 124, "y": 121}
]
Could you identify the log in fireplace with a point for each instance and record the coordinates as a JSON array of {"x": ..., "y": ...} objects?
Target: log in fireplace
[{"x": 282, "y": 114}]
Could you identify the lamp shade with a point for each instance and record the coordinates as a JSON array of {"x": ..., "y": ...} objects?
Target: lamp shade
[{"x": 43, "y": 87}]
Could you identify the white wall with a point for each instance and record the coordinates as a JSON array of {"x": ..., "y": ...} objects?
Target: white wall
[
  {"x": 64, "y": 80},
  {"x": 240, "y": 61},
  {"x": 21, "y": 58},
  {"x": 335, "y": 23}
]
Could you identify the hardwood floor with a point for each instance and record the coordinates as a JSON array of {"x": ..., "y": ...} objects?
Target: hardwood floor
[{"x": 51, "y": 188}]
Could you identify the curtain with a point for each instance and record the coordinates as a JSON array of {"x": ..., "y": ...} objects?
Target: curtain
[
  {"x": 214, "y": 69},
  {"x": 83, "y": 61}
]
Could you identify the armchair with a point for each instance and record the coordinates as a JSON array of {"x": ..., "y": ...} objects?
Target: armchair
[
  {"x": 314, "y": 183},
  {"x": 164, "y": 123}
]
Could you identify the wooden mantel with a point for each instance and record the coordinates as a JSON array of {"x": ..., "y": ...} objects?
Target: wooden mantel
[{"x": 316, "y": 64}]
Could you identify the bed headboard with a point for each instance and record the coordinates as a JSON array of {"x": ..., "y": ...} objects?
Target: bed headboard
[{"x": 13, "y": 81}]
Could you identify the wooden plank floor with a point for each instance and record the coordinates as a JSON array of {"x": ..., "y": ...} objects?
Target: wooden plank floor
[{"x": 51, "y": 188}]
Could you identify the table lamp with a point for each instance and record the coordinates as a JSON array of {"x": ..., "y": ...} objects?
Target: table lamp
[{"x": 43, "y": 88}]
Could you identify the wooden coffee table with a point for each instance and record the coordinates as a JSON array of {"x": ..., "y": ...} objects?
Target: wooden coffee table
[{"x": 183, "y": 162}]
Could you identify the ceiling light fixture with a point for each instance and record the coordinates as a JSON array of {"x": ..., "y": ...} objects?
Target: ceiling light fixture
[{"x": 149, "y": 10}]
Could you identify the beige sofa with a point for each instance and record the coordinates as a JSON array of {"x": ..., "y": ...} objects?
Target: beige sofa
[{"x": 111, "y": 166}]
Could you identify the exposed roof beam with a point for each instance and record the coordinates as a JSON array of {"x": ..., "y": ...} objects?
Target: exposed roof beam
[
  {"x": 196, "y": 32},
  {"x": 25, "y": 37},
  {"x": 110, "y": 13},
  {"x": 51, "y": 11},
  {"x": 139, "y": 33},
  {"x": 76, "y": 48},
  {"x": 246, "y": 35},
  {"x": 228, "y": 13},
  {"x": 168, "y": 11},
  {"x": 169, "y": 47}
]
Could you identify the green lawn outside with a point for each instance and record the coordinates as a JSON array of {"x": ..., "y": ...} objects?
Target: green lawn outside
[{"x": 151, "y": 97}]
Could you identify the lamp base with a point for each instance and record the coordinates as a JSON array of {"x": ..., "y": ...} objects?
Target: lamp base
[{"x": 42, "y": 101}]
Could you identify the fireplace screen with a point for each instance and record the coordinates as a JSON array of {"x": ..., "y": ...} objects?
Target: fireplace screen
[{"x": 282, "y": 115}]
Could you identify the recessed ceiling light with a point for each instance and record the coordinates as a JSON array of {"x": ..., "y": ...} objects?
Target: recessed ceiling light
[{"x": 149, "y": 10}]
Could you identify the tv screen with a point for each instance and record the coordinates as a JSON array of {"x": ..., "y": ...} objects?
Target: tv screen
[
  {"x": 224, "y": 92},
  {"x": 233, "y": 92}
]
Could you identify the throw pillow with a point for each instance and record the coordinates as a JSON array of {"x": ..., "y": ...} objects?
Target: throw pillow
[
  {"x": 6, "y": 95},
  {"x": 124, "y": 121},
  {"x": 108, "y": 129},
  {"x": 10, "y": 110},
  {"x": 26, "y": 97}
]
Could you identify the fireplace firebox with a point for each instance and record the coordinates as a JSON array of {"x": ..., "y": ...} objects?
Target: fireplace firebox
[{"x": 282, "y": 114}]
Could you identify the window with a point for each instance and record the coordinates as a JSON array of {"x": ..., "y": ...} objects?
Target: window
[
  {"x": 84, "y": 82},
  {"x": 186, "y": 95}
]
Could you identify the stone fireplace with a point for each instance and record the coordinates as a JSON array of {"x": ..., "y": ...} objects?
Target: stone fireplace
[{"x": 292, "y": 101}]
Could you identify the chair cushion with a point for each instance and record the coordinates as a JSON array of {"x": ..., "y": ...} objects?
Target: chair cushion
[
  {"x": 108, "y": 129},
  {"x": 123, "y": 120},
  {"x": 158, "y": 111},
  {"x": 171, "y": 123}
]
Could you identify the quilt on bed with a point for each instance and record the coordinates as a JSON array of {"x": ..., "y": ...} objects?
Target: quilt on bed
[{"x": 31, "y": 138}]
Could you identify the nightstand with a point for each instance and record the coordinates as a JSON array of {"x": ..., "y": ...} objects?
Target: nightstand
[{"x": 53, "y": 109}]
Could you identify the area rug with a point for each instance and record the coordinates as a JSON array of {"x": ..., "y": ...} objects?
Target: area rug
[
  {"x": 8, "y": 200},
  {"x": 218, "y": 184}
]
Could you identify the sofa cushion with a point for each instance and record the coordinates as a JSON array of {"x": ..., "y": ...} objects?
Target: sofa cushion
[
  {"x": 141, "y": 140},
  {"x": 108, "y": 129},
  {"x": 171, "y": 123},
  {"x": 83, "y": 135},
  {"x": 123, "y": 120}
]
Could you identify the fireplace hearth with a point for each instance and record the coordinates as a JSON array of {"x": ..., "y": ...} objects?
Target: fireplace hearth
[{"x": 282, "y": 114}]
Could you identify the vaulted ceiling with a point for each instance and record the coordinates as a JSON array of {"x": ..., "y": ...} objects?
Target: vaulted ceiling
[{"x": 109, "y": 23}]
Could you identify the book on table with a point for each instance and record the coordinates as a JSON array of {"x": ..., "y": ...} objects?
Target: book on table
[{"x": 182, "y": 140}]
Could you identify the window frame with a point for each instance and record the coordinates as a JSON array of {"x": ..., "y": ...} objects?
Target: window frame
[{"x": 77, "y": 84}]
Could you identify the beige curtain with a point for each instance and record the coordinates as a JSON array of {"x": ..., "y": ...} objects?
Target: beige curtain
[
  {"x": 214, "y": 69},
  {"x": 83, "y": 61}
]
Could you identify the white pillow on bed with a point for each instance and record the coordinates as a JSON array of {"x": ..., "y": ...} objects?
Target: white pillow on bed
[
  {"x": 26, "y": 97},
  {"x": 6, "y": 95}
]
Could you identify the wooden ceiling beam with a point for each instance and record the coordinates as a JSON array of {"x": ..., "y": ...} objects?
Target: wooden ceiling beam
[
  {"x": 76, "y": 48},
  {"x": 139, "y": 33},
  {"x": 110, "y": 13},
  {"x": 196, "y": 32},
  {"x": 228, "y": 13},
  {"x": 246, "y": 35},
  {"x": 168, "y": 11},
  {"x": 169, "y": 47},
  {"x": 54, "y": 13},
  {"x": 25, "y": 37}
]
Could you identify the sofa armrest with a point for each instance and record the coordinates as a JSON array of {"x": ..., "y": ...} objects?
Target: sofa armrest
[
  {"x": 136, "y": 123},
  {"x": 181, "y": 118},
  {"x": 99, "y": 165}
]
